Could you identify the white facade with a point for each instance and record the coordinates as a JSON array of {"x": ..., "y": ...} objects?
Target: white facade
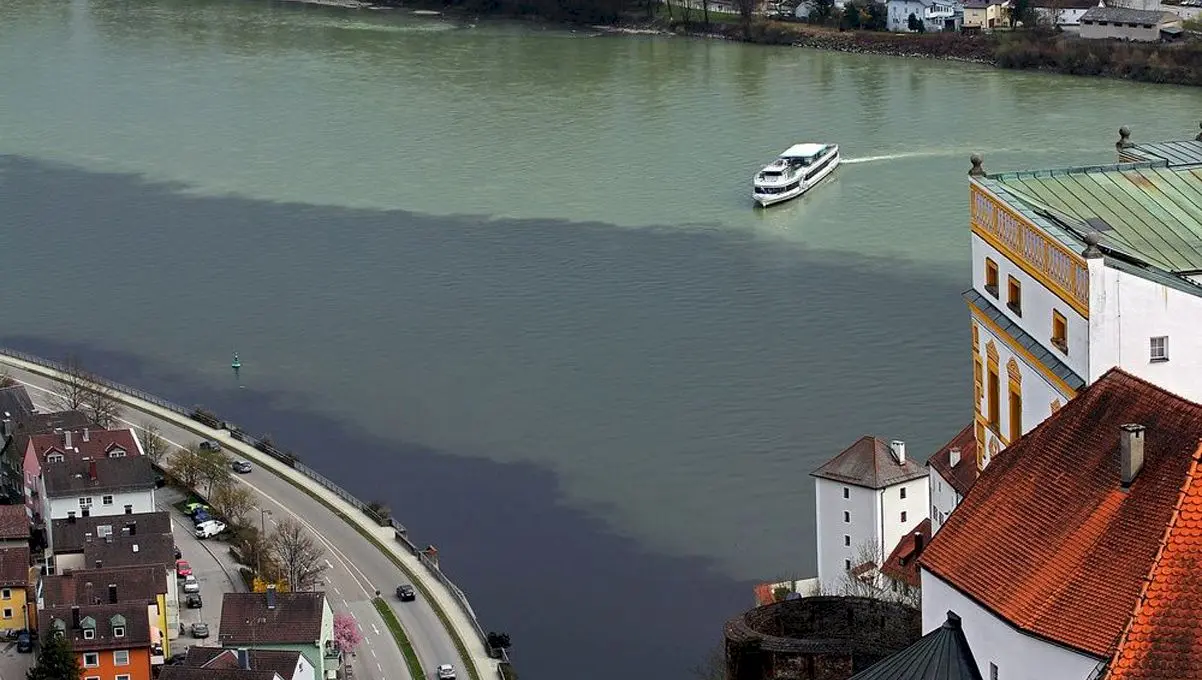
[
  {"x": 100, "y": 504},
  {"x": 944, "y": 499},
  {"x": 855, "y": 522},
  {"x": 934, "y": 14},
  {"x": 1064, "y": 17},
  {"x": 995, "y": 643}
]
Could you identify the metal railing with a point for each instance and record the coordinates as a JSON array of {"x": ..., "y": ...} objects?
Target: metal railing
[{"x": 290, "y": 459}]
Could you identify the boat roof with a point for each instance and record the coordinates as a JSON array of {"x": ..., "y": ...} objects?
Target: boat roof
[{"x": 803, "y": 150}]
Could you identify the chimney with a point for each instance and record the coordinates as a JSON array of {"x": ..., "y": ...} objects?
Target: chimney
[
  {"x": 244, "y": 659},
  {"x": 99, "y": 564},
  {"x": 919, "y": 543},
  {"x": 85, "y": 434},
  {"x": 112, "y": 593},
  {"x": 92, "y": 470},
  {"x": 75, "y": 617},
  {"x": 67, "y": 438},
  {"x": 954, "y": 456},
  {"x": 5, "y": 427},
  {"x": 271, "y": 596},
  {"x": 133, "y": 528},
  {"x": 1131, "y": 452},
  {"x": 898, "y": 448}
]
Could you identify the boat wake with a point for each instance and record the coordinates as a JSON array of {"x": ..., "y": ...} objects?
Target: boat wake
[{"x": 905, "y": 154}]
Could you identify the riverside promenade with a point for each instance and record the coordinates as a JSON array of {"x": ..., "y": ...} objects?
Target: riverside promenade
[{"x": 439, "y": 628}]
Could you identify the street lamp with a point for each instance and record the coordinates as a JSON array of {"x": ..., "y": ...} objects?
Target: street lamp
[{"x": 263, "y": 513}]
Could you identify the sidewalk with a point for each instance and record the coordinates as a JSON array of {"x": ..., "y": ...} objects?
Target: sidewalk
[{"x": 461, "y": 628}]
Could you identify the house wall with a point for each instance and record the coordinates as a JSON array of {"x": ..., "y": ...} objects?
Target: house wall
[
  {"x": 862, "y": 527},
  {"x": 898, "y": 14},
  {"x": 311, "y": 653},
  {"x": 304, "y": 670},
  {"x": 141, "y": 501},
  {"x": 12, "y": 608},
  {"x": 915, "y": 507},
  {"x": 1060, "y": 17},
  {"x": 944, "y": 499},
  {"x": 1017, "y": 655},
  {"x": 138, "y": 667},
  {"x": 1137, "y": 32},
  {"x": 1126, "y": 311},
  {"x": 172, "y": 604}
]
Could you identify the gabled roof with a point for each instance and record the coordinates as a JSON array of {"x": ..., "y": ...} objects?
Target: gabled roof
[
  {"x": 186, "y": 673},
  {"x": 1161, "y": 641},
  {"x": 14, "y": 523},
  {"x": 295, "y": 618},
  {"x": 86, "y": 444},
  {"x": 106, "y": 475},
  {"x": 46, "y": 423},
  {"x": 124, "y": 551},
  {"x": 1174, "y": 153},
  {"x": 70, "y": 535},
  {"x": 1064, "y": 4},
  {"x": 280, "y": 661},
  {"x": 14, "y": 567},
  {"x": 131, "y": 616},
  {"x": 1128, "y": 16},
  {"x": 869, "y": 463},
  {"x": 942, "y": 654},
  {"x": 1048, "y": 539},
  {"x": 963, "y": 474},
  {"x": 135, "y": 583},
  {"x": 902, "y": 564}
]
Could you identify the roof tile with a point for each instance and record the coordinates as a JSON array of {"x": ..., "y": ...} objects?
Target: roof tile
[
  {"x": 295, "y": 618},
  {"x": 870, "y": 463},
  {"x": 902, "y": 564},
  {"x": 963, "y": 474}
]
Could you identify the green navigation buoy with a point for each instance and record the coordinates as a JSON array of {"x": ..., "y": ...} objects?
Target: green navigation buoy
[{"x": 237, "y": 363}]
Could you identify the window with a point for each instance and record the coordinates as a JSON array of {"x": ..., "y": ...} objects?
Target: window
[
  {"x": 121, "y": 657},
  {"x": 117, "y": 453},
  {"x": 846, "y": 540},
  {"x": 1160, "y": 348},
  {"x": 129, "y": 509},
  {"x": 978, "y": 389},
  {"x": 992, "y": 671},
  {"x": 991, "y": 277},
  {"x": 107, "y": 500},
  {"x": 1016, "y": 415},
  {"x": 903, "y": 516},
  {"x": 85, "y": 502},
  {"x": 118, "y": 631},
  {"x": 8, "y": 613},
  {"x": 846, "y": 492},
  {"x": 54, "y": 458},
  {"x": 122, "y": 677},
  {"x": 91, "y": 659},
  {"x": 846, "y": 517},
  {"x": 1014, "y": 295},
  {"x": 1059, "y": 331},
  {"x": 92, "y": 677},
  {"x": 995, "y": 389},
  {"x": 89, "y": 634},
  {"x": 847, "y": 565},
  {"x": 6, "y": 594},
  {"x": 903, "y": 493}
]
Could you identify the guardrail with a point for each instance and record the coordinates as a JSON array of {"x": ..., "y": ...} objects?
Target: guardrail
[{"x": 290, "y": 459}]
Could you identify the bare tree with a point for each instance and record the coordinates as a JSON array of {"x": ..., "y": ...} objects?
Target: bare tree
[
  {"x": 746, "y": 10},
  {"x": 6, "y": 378},
  {"x": 300, "y": 557},
  {"x": 871, "y": 583},
  {"x": 80, "y": 390},
  {"x": 214, "y": 470},
  {"x": 188, "y": 466},
  {"x": 232, "y": 501},
  {"x": 102, "y": 407},
  {"x": 153, "y": 444}
]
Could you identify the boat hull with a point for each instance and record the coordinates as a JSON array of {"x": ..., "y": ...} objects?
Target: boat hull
[{"x": 765, "y": 200}]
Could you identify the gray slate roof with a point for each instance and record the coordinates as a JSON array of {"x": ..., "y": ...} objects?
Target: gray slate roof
[
  {"x": 870, "y": 463},
  {"x": 1176, "y": 153},
  {"x": 130, "y": 473},
  {"x": 71, "y": 535},
  {"x": 942, "y": 654},
  {"x": 15, "y": 403},
  {"x": 1122, "y": 15},
  {"x": 1036, "y": 348}
]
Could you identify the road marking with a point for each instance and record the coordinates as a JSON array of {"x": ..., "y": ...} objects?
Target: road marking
[
  {"x": 380, "y": 667},
  {"x": 373, "y": 652},
  {"x": 345, "y": 603},
  {"x": 329, "y": 565},
  {"x": 377, "y": 630}
]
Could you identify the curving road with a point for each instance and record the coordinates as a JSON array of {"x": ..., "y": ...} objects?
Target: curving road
[{"x": 356, "y": 568}]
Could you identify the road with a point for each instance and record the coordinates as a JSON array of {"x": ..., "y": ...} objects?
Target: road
[{"x": 356, "y": 569}]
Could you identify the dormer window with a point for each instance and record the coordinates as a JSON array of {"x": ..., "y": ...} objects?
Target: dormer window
[
  {"x": 89, "y": 634},
  {"x": 88, "y": 624},
  {"x": 117, "y": 452},
  {"x": 54, "y": 458},
  {"x": 118, "y": 631},
  {"x": 59, "y": 627}
]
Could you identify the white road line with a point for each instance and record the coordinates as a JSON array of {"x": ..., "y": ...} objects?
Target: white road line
[
  {"x": 329, "y": 565},
  {"x": 376, "y": 630},
  {"x": 373, "y": 652},
  {"x": 345, "y": 603},
  {"x": 380, "y": 667}
]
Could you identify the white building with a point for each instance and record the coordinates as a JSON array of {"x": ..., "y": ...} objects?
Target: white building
[
  {"x": 1076, "y": 271},
  {"x": 936, "y": 15},
  {"x": 1065, "y": 14},
  {"x": 867, "y": 498},
  {"x": 104, "y": 487},
  {"x": 953, "y": 470},
  {"x": 1046, "y": 560}
]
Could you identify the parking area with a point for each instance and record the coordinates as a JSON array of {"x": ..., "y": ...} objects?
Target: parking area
[
  {"x": 213, "y": 567},
  {"x": 13, "y": 664}
]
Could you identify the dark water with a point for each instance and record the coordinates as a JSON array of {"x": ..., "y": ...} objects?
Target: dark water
[{"x": 554, "y": 576}]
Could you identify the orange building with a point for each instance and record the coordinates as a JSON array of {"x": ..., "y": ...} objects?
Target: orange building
[{"x": 111, "y": 641}]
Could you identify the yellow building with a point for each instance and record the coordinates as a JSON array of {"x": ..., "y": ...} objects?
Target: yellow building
[
  {"x": 14, "y": 587},
  {"x": 986, "y": 15},
  {"x": 140, "y": 584}
]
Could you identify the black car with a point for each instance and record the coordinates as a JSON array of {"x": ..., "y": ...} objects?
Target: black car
[
  {"x": 210, "y": 445},
  {"x": 406, "y": 593},
  {"x": 24, "y": 642},
  {"x": 194, "y": 601},
  {"x": 240, "y": 466}
]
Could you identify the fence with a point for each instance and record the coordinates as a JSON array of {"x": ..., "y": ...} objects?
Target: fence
[{"x": 287, "y": 457}]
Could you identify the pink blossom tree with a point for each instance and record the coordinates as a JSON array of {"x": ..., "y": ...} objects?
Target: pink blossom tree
[{"x": 346, "y": 633}]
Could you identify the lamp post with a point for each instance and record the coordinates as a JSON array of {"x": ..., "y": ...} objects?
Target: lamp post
[{"x": 263, "y": 513}]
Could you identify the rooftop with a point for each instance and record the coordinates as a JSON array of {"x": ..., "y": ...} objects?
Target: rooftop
[
  {"x": 1048, "y": 539},
  {"x": 248, "y": 618},
  {"x": 86, "y": 444},
  {"x": 14, "y": 523},
  {"x": 124, "y": 551},
  {"x": 46, "y": 423},
  {"x": 14, "y": 566},
  {"x": 1161, "y": 641},
  {"x": 803, "y": 150},
  {"x": 193, "y": 673},
  {"x": 131, "y": 617},
  {"x": 963, "y": 474},
  {"x": 902, "y": 564},
  {"x": 869, "y": 463},
  {"x": 1175, "y": 153},
  {"x": 1122, "y": 15},
  {"x": 15, "y": 403},
  {"x": 96, "y": 586},
  {"x": 97, "y": 476},
  {"x": 280, "y": 661},
  {"x": 1151, "y": 211},
  {"x": 942, "y": 654},
  {"x": 70, "y": 535}
]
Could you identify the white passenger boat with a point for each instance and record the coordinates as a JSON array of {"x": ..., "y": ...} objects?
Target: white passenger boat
[{"x": 794, "y": 172}]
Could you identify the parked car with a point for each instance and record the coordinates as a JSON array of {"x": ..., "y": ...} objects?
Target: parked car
[
  {"x": 182, "y": 568},
  {"x": 240, "y": 466},
  {"x": 446, "y": 672},
  {"x": 210, "y": 445},
  {"x": 159, "y": 480},
  {"x": 201, "y": 517},
  {"x": 405, "y": 593},
  {"x": 191, "y": 585},
  {"x": 209, "y": 529},
  {"x": 24, "y": 642},
  {"x": 200, "y": 630},
  {"x": 194, "y": 601},
  {"x": 192, "y": 508}
]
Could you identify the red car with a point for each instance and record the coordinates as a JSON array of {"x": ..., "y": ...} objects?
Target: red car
[{"x": 182, "y": 568}]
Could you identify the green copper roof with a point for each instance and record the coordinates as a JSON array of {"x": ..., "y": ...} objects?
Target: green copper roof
[
  {"x": 1187, "y": 152},
  {"x": 1149, "y": 210}
]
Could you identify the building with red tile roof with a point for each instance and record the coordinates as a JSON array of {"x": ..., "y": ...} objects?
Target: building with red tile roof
[
  {"x": 953, "y": 471},
  {"x": 71, "y": 447},
  {"x": 1047, "y": 556},
  {"x": 901, "y": 567}
]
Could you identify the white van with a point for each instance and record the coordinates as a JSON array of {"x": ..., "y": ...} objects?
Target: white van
[{"x": 209, "y": 528}]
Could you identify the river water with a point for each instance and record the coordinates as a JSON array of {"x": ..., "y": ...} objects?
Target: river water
[{"x": 507, "y": 278}]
